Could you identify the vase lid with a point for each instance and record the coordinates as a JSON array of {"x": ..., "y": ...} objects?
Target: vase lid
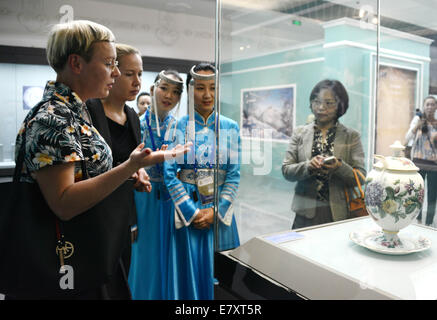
[{"x": 395, "y": 162}]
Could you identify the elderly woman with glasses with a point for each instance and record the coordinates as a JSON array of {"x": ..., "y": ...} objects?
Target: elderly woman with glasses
[{"x": 321, "y": 156}]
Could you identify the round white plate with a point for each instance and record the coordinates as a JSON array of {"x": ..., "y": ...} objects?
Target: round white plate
[{"x": 369, "y": 240}]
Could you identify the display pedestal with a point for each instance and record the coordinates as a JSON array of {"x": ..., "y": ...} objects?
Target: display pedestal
[
  {"x": 7, "y": 170},
  {"x": 325, "y": 264},
  {"x": 237, "y": 281}
]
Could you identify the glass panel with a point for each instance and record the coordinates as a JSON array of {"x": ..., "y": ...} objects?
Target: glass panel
[
  {"x": 22, "y": 87},
  {"x": 171, "y": 35},
  {"x": 407, "y": 76},
  {"x": 272, "y": 54}
]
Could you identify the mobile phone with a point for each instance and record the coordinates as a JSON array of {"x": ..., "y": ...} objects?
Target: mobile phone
[{"x": 329, "y": 160}]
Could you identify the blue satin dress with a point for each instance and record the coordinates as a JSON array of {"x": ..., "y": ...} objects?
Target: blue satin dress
[
  {"x": 191, "y": 249},
  {"x": 149, "y": 262}
]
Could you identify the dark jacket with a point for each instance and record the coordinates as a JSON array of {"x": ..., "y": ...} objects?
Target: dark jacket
[{"x": 98, "y": 117}]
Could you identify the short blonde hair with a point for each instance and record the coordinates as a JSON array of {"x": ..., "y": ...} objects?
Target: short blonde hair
[
  {"x": 124, "y": 50},
  {"x": 75, "y": 37}
]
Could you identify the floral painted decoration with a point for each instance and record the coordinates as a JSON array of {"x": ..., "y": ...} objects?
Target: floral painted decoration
[
  {"x": 389, "y": 243},
  {"x": 397, "y": 200}
]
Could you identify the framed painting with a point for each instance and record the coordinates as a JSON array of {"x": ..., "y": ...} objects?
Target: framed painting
[
  {"x": 268, "y": 112},
  {"x": 398, "y": 99}
]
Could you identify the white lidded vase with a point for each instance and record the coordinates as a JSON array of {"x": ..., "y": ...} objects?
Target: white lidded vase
[{"x": 394, "y": 194}]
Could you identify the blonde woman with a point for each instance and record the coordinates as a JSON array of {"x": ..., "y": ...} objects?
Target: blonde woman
[
  {"x": 60, "y": 136},
  {"x": 120, "y": 127}
]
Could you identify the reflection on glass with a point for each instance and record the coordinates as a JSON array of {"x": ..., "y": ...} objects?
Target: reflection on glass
[
  {"x": 321, "y": 157},
  {"x": 407, "y": 88},
  {"x": 273, "y": 53},
  {"x": 294, "y": 44},
  {"x": 421, "y": 138}
]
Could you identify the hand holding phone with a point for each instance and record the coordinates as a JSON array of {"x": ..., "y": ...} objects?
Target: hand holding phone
[{"x": 329, "y": 160}]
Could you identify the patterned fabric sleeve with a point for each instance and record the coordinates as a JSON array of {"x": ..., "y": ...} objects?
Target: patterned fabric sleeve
[
  {"x": 186, "y": 209},
  {"x": 51, "y": 139},
  {"x": 57, "y": 132}
]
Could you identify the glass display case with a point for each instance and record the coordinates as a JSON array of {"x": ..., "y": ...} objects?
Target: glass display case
[{"x": 271, "y": 56}]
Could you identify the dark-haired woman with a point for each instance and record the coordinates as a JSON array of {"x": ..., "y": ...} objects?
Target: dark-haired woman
[
  {"x": 143, "y": 101},
  {"x": 319, "y": 195},
  {"x": 155, "y": 210},
  {"x": 191, "y": 186}
]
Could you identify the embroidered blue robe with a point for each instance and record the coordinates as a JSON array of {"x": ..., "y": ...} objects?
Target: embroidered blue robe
[
  {"x": 192, "y": 250},
  {"x": 148, "y": 273}
]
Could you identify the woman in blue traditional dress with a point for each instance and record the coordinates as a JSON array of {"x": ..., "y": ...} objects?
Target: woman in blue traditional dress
[
  {"x": 191, "y": 186},
  {"x": 148, "y": 271}
]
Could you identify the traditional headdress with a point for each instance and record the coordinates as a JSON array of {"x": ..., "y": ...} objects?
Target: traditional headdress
[{"x": 195, "y": 76}]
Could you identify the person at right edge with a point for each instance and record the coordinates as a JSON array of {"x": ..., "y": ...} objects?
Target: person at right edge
[
  {"x": 319, "y": 195},
  {"x": 421, "y": 136}
]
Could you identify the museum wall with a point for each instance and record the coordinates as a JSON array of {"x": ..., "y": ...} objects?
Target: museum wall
[
  {"x": 17, "y": 79},
  {"x": 167, "y": 30}
]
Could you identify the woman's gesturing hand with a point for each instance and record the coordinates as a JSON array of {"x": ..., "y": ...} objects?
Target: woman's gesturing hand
[
  {"x": 146, "y": 157},
  {"x": 142, "y": 181}
]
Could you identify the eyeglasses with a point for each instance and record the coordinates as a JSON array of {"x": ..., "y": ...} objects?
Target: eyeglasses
[
  {"x": 112, "y": 65},
  {"x": 330, "y": 104}
]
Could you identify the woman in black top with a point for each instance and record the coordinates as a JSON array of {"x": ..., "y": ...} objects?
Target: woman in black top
[{"x": 119, "y": 124}]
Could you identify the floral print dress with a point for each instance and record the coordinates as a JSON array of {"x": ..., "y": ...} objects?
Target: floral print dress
[{"x": 58, "y": 132}]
